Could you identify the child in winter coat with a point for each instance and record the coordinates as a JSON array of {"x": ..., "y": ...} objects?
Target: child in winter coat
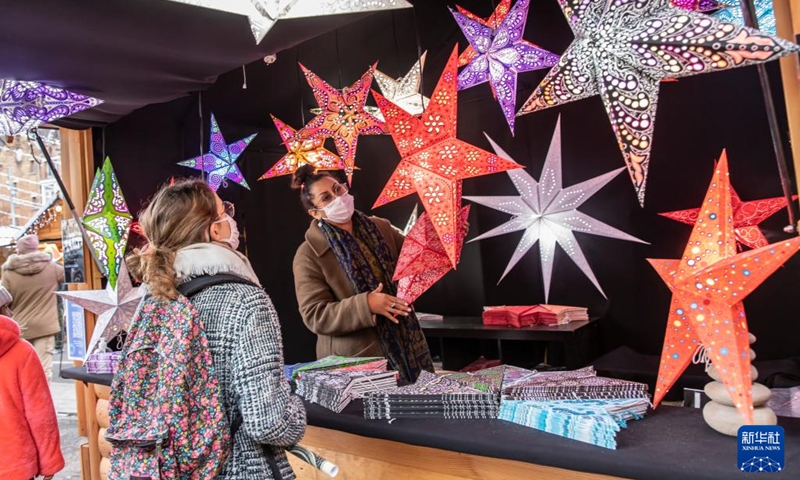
[{"x": 26, "y": 407}]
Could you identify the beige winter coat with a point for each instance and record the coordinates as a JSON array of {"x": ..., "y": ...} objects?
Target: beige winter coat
[
  {"x": 328, "y": 302},
  {"x": 32, "y": 280}
]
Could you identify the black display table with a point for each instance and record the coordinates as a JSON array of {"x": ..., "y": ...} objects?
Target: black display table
[{"x": 579, "y": 340}]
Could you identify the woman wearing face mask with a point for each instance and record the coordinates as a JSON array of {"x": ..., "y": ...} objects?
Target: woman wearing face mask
[
  {"x": 191, "y": 232},
  {"x": 343, "y": 280}
]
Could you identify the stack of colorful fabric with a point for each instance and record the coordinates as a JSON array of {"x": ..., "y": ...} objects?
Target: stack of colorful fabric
[
  {"x": 526, "y": 316},
  {"x": 335, "y": 389},
  {"x": 334, "y": 362},
  {"x": 576, "y": 384}
]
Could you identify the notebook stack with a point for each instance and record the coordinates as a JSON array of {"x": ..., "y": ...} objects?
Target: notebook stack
[
  {"x": 576, "y": 384},
  {"x": 432, "y": 396},
  {"x": 335, "y": 389},
  {"x": 334, "y": 362},
  {"x": 526, "y": 316}
]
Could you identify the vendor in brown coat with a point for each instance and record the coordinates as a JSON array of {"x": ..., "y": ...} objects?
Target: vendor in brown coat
[
  {"x": 32, "y": 278},
  {"x": 343, "y": 280}
]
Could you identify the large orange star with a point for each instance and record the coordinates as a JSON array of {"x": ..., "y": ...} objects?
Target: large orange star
[
  {"x": 433, "y": 160},
  {"x": 708, "y": 285},
  {"x": 301, "y": 151},
  {"x": 343, "y": 117}
]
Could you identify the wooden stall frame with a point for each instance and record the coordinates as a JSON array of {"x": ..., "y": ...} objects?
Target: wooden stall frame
[{"x": 787, "y": 21}]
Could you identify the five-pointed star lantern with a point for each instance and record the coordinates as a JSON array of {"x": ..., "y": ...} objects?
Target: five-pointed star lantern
[
  {"x": 708, "y": 286},
  {"x": 301, "y": 151},
  {"x": 220, "y": 162},
  {"x": 343, "y": 117},
  {"x": 765, "y": 14},
  {"x": 26, "y": 105},
  {"x": 501, "y": 55},
  {"x": 746, "y": 216},
  {"x": 114, "y": 307},
  {"x": 548, "y": 213},
  {"x": 433, "y": 161},
  {"x": 622, "y": 50},
  {"x": 107, "y": 220},
  {"x": 404, "y": 92},
  {"x": 703, "y": 6},
  {"x": 499, "y": 14}
]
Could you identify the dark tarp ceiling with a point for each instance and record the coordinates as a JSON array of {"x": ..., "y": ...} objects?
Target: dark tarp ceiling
[{"x": 132, "y": 53}]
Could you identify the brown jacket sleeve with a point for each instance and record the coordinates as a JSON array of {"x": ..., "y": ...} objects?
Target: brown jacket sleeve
[{"x": 321, "y": 312}]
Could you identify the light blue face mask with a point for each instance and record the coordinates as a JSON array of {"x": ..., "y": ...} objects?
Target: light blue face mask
[{"x": 340, "y": 210}]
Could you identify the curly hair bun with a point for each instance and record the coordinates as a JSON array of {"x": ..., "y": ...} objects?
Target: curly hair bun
[{"x": 301, "y": 175}]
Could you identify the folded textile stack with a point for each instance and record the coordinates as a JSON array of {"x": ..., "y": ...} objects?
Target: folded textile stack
[
  {"x": 335, "y": 389},
  {"x": 332, "y": 362},
  {"x": 103, "y": 362},
  {"x": 489, "y": 380},
  {"x": 576, "y": 384},
  {"x": 432, "y": 396},
  {"x": 525, "y": 316},
  {"x": 508, "y": 316}
]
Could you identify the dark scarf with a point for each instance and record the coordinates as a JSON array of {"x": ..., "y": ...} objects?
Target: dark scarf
[{"x": 403, "y": 343}]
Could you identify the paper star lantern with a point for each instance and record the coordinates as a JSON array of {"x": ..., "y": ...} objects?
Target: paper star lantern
[
  {"x": 220, "y": 162},
  {"x": 343, "y": 117},
  {"x": 495, "y": 19},
  {"x": 548, "y": 213},
  {"x": 433, "y": 161},
  {"x": 107, "y": 220},
  {"x": 404, "y": 92},
  {"x": 500, "y": 55},
  {"x": 301, "y": 151},
  {"x": 26, "y": 105},
  {"x": 702, "y": 6},
  {"x": 114, "y": 307},
  {"x": 622, "y": 50},
  {"x": 412, "y": 220},
  {"x": 746, "y": 216},
  {"x": 423, "y": 260},
  {"x": 765, "y": 14},
  {"x": 708, "y": 286}
]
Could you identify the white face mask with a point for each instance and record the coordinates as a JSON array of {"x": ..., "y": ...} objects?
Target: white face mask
[
  {"x": 233, "y": 239},
  {"x": 340, "y": 210}
]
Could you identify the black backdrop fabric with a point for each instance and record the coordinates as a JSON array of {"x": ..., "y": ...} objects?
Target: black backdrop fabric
[{"x": 698, "y": 117}]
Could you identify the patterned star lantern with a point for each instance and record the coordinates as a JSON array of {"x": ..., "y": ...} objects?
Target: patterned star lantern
[
  {"x": 220, "y": 162},
  {"x": 404, "y": 92},
  {"x": 547, "y": 213},
  {"x": 495, "y": 19},
  {"x": 746, "y": 216},
  {"x": 433, "y": 161},
  {"x": 114, "y": 307},
  {"x": 703, "y": 6},
  {"x": 765, "y": 14},
  {"x": 622, "y": 50},
  {"x": 708, "y": 286},
  {"x": 107, "y": 220},
  {"x": 423, "y": 259},
  {"x": 26, "y": 105},
  {"x": 501, "y": 55},
  {"x": 301, "y": 151},
  {"x": 343, "y": 117}
]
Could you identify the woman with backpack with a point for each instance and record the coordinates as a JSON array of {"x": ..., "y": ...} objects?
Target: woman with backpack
[{"x": 191, "y": 234}]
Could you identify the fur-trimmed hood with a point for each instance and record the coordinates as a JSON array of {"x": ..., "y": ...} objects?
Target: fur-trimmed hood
[
  {"x": 29, "y": 263},
  {"x": 211, "y": 259}
]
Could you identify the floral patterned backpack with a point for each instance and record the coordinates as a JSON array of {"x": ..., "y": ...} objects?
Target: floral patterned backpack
[{"x": 167, "y": 420}]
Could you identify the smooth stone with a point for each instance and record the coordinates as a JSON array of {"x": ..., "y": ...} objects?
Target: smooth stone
[
  {"x": 752, "y": 354},
  {"x": 716, "y": 391},
  {"x": 726, "y": 420},
  {"x": 713, "y": 373},
  {"x": 752, "y": 338}
]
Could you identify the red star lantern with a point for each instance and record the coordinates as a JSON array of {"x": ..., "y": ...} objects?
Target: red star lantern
[
  {"x": 746, "y": 216},
  {"x": 433, "y": 160},
  {"x": 423, "y": 259},
  {"x": 301, "y": 151},
  {"x": 343, "y": 117},
  {"x": 708, "y": 285}
]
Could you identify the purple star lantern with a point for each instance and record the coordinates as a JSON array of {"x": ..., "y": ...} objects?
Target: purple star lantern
[
  {"x": 501, "y": 55},
  {"x": 702, "y": 6},
  {"x": 220, "y": 162},
  {"x": 26, "y": 105}
]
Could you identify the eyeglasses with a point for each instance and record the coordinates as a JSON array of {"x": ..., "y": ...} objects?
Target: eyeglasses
[
  {"x": 228, "y": 209},
  {"x": 325, "y": 198}
]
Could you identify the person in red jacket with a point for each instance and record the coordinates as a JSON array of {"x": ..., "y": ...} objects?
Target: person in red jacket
[{"x": 26, "y": 407}]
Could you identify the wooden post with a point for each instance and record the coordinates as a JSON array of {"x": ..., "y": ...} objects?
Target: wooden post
[
  {"x": 77, "y": 171},
  {"x": 787, "y": 20}
]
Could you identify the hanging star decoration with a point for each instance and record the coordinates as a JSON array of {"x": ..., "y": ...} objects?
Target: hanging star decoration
[
  {"x": 548, "y": 213},
  {"x": 114, "y": 307},
  {"x": 107, "y": 220},
  {"x": 343, "y": 117},
  {"x": 404, "y": 91},
  {"x": 412, "y": 220},
  {"x": 219, "y": 163},
  {"x": 702, "y": 6},
  {"x": 497, "y": 17},
  {"x": 301, "y": 151},
  {"x": 746, "y": 216},
  {"x": 423, "y": 260},
  {"x": 622, "y": 50},
  {"x": 501, "y": 55},
  {"x": 26, "y": 105},
  {"x": 708, "y": 286},
  {"x": 433, "y": 161},
  {"x": 765, "y": 15}
]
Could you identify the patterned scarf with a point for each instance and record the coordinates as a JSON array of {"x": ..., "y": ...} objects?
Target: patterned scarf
[{"x": 366, "y": 260}]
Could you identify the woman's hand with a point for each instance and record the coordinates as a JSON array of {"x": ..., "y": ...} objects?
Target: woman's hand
[{"x": 386, "y": 305}]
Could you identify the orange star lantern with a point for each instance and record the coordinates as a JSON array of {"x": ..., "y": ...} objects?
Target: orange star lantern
[
  {"x": 301, "y": 151},
  {"x": 708, "y": 285},
  {"x": 433, "y": 160},
  {"x": 343, "y": 117}
]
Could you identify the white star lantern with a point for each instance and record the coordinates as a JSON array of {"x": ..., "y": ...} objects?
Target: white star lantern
[
  {"x": 404, "y": 91},
  {"x": 114, "y": 307},
  {"x": 547, "y": 212}
]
